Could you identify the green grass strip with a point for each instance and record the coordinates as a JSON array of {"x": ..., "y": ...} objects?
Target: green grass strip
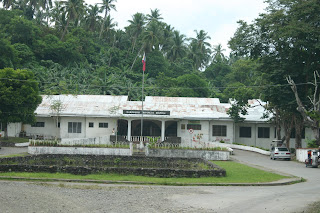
[
  {"x": 14, "y": 140},
  {"x": 236, "y": 173}
]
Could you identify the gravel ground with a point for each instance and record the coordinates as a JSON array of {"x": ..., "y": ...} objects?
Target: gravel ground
[{"x": 73, "y": 197}]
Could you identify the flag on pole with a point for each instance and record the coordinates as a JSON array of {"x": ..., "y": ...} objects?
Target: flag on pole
[{"x": 144, "y": 62}]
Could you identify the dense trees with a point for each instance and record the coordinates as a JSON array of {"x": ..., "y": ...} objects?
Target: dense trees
[
  {"x": 19, "y": 96},
  {"x": 74, "y": 48},
  {"x": 286, "y": 41}
]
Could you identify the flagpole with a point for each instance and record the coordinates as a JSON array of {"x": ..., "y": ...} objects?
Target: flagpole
[
  {"x": 142, "y": 105},
  {"x": 142, "y": 97}
]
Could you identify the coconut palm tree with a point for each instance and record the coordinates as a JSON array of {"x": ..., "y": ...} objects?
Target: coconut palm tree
[
  {"x": 107, "y": 5},
  {"x": 136, "y": 27},
  {"x": 152, "y": 36},
  {"x": 92, "y": 18},
  {"x": 73, "y": 10},
  {"x": 178, "y": 48},
  {"x": 200, "y": 49},
  {"x": 154, "y": 15}
]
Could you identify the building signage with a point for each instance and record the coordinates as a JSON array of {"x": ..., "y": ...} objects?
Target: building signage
[{"x": 145, "y": 112}]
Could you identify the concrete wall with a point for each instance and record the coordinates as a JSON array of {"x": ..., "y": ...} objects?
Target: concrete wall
[
  {"x": 38, "y": 150},
  {"x": 13, "y": 130},
  {"x": 230, "y": 131},
  {"x": 183, "y": 153},
  {"x": 50, "y": 128},
  {"x": 302, "y": 154}
]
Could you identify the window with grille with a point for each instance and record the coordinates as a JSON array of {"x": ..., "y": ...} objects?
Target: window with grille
[
  {"x": 219, "y": 130},
  {"x": 263, "y": 132},
  {"x": 103, "y": 125},
  {"x": 91, "y": 124},
  {"x": 194, "y": 126},
  {"x": 74, "y": 127},
  {"x": 245, "y": 132},
  {"x": 38, "y": 124}
]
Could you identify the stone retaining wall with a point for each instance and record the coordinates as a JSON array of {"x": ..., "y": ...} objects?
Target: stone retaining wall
[{"x": 33, "y": 164}]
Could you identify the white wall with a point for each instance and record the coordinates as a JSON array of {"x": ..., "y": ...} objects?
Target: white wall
[
  {"x": 14, "y": 129},
  {"x": 49, "y": 129},
  {"x": 86, "y": 131},
  {"x": 230, "y": 131},
  {"x": 254, "y": 140}
]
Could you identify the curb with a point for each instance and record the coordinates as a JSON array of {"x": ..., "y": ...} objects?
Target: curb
[{"x": 282, "y": 182}]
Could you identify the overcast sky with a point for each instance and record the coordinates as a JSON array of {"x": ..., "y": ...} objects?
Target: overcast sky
[{"x": 216, "y": 17}]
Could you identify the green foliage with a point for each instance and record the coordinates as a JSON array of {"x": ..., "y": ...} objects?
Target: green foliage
[
  {"x": 19, "y": 96},
  {"x": 312, "y": 143}
]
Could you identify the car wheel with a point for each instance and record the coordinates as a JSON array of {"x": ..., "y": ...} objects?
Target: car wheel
[{"x": 274, "y": 158}]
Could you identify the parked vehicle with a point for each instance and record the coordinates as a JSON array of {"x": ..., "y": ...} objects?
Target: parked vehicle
[
  {"x": 280, "y": 153},
  {"x": 313, "y": 159}
]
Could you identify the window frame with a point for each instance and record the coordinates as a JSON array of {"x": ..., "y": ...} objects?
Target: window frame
[
  {"x": 222, "y": 132},
  {"x": 38, "y": 124},
  {"x": 263, "y": 133},
  {"x": 74, "y": 127},
  {"x": 103, "y": 125},
  {"x": 247, "y": 133}
]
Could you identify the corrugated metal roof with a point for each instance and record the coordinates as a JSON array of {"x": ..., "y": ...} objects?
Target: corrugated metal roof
[{"x": 113, "y": 106}]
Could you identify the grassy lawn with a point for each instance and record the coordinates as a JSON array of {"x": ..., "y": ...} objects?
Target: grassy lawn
[
  {"x": 236, "y": 173},
  {"x": 14, "y": 140},
  {"x": 14, "y": 155}
]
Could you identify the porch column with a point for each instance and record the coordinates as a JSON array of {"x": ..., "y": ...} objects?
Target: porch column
[
  {"x": 129, "y": 130},
  {"x": 163, "y": 129}
]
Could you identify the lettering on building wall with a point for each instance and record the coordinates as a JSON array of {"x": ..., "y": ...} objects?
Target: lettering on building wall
[{"x": 145, "y": 112}]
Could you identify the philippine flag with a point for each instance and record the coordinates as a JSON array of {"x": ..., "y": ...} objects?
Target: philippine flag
[{"x": 144, "y": 62}]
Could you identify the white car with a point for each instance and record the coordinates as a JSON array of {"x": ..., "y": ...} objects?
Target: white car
[{"x": 280, "y": 153}]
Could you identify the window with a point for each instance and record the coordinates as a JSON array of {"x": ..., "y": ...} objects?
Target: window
[
  {"x": 103, "y": 125},
  {"x": 38, "y": 124},
  {"x": 219, "y": 130},
  {"x": 245, "y": 132},
  {"x": 263, "y": 132},
  {"x": 183, "y": 126},
  {"x": 58, "y": 125},
  {"x": 91, "y": 124},
  {"x": 275, "y": 132},
  {"x": 74, "y": 127},
  {"x": 195, "y": 125}
]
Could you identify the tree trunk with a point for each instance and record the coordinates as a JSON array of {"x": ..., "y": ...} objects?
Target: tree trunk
[
  {"x": 65, "y": 30},
  {"x": 278, "y": 124},
  {"x": 6, "y": 137},
  {"x": 288, "y": 125},
  {"x": 298, "y": 123}
]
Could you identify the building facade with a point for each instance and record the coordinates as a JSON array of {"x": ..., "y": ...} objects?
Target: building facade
[{"x": 190, "y": 121}]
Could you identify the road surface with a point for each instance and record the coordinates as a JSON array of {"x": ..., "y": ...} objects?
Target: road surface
[{"x": 80, "y": 197}]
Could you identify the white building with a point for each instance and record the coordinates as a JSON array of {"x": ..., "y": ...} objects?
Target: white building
[{"x": 170, "y": 118}]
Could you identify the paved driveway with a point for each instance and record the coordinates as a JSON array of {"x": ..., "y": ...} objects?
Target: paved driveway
[{"x": 288, "y": 198}]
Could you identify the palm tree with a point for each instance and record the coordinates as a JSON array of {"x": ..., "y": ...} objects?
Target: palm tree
[
  {"x": 73, "y": 9},
  {"x": 152, "y": 36},
  {"x": 167, "y": 38},
  {"x": 179, "y": 48},
  {"x": 108, "y": 26},
  {"x": 92, "y": 18},
  {"x": 218, "y": 55},
  {"x": 107, "y": 5},
  {"x": 136, "y": 27},
  {"x": 154, "y": 15},
  {"x": 200, "y": 46}
]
